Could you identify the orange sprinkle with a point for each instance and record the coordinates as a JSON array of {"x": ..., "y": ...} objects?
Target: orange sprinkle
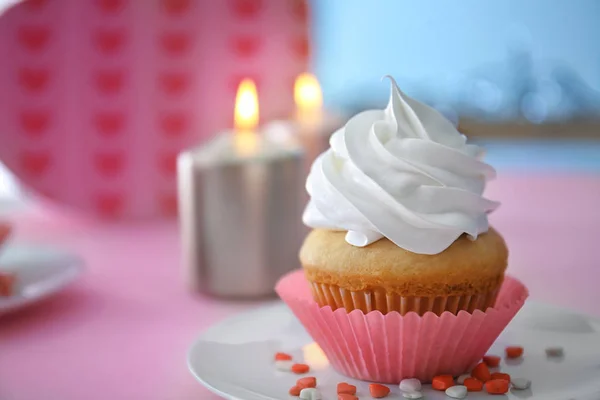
[
  {"x": 481, "y": 372},
  {"x": 308, "y": 382},
  {"x": 514, "y": 352},
  {"x": 295, "y": 390},
  {"x": 496, "y": 386},
  {"x": 473, "y": 384},
  {"x": 346, "y": 396},
  {"x": 300, "y": 368},
  {"x": 345, "y": 388},
  {"x": 442, "y": 382},
  {"x": 491, "y": 361},
  {"x": 378, "y": 391},
  {"x": 282, "y": 357},
  {"x": 501, "y": 375}
]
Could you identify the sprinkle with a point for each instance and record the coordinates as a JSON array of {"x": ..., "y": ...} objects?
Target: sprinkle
[
  {"x": 410, "y": 385},
  {"x": 295, "y": 391},
  {"x": 481, "y": 372},
  {"x": 555, "y": 352},
  {"x": 285, "y": 365},
  {"x": 308, "y": 382},
  {"x": 282, "y": 357},
  {"x": 521, "y": 383},
  {"x": 473, "y": 385},
  {"x": 442, "y": 382},
  {"x": 500, "y": 375},
  {"x": 491, "y": 361},
  {"x": 300, "y": 368},
  {"x": 345, "y": 388},
  {"x": 457, "y": 392},
  {"x": 378, "y": 391},
  {"x": 310, "y": 394},
  {"x": 496, "y": 386},
  {"x": 514, "y": 352}
]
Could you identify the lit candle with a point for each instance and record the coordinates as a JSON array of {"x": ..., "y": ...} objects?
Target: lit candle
[
  {"x": 240, "y": 206},
  {"x": 312, "y": 125},
  {"x": 245, "y": 118},
  {"x": 309, "y": 100}
]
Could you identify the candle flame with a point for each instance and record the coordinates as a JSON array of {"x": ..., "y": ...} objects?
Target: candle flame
[
  {"x": 246, "y": 106},
  {"x": 246, "y": 116},
  {"x": 307, "y": 92}
]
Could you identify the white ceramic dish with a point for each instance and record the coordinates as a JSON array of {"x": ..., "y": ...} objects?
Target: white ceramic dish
[
  {"x": 41, "y": 271},
  {"x": 234, "y": 358}
]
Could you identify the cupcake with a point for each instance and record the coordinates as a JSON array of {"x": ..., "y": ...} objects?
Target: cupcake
[
  {"x": 400, "y": 223},
  {"x": 402, "y": 275}
]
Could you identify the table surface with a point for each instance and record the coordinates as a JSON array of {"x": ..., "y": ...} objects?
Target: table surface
[{"x": 122, "y": 331}]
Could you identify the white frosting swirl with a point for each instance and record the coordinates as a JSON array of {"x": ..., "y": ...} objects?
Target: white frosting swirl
[{"x": 404, "y": 173}]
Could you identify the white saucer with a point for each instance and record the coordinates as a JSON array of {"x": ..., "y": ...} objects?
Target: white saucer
[
  {"x": 234, "y": 358},
  {"x": 40, "y": 270}
]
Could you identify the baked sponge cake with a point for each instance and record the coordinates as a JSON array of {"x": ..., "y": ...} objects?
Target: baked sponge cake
[
  {"x": 400, "y": 221},
  {"x": 385, "y": 277}
]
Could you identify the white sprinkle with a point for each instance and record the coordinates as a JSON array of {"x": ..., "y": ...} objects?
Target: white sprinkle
[
  {"x": 461, "y": 379},
  {"x": 457, "y": 392},
  {"x": 520, "y": 383},
  {"x": 310, "y": 394},
  {"x": 412, "y": 395},
  {"x": 284, "y": 365},
  {"x": 410, "y": 385},
  {"x": 555, "y": 352}
]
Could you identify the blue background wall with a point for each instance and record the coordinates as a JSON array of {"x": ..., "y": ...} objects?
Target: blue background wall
[{"x": 431, "y": 46}]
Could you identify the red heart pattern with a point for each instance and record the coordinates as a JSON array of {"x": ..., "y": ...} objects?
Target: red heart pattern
[
  {"x": 33, "y": 38},
  {"x": 35, "y": 163},
  {"x": 175, "y": 7},
  {"x": 300, "y": 9},
  {"x": 168, "y": 204},
  {"x": 246, "y": 46},
  {"x": 109, "y": 41},
  {"x": 34, "y": 123},
  {"x": 168, "y": 163},
  {"x": 109, "y": 124},
  {"x": 35, "y": 5},
  {"x": 109, "y": 164},
  {"x": 110, "y": 6},
  {"x": 301, "y": 47},
  {"x": 173, "y": 124},
  {"x": 109, "y": 81},
  {"x": 39, "y": 36},
  {"x": 246, "y": 8},
  {"x": 175, "y": 43},
  {"x": 173, "y": 83},
  {"x": 33, "y": 79},
  {"x": 109, "y": 205}
]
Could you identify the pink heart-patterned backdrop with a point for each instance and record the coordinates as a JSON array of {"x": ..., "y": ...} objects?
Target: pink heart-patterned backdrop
[{"x": 97, "y": 97}]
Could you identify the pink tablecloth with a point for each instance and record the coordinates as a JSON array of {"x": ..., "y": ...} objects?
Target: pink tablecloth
[{"x": 123, "y": 330}]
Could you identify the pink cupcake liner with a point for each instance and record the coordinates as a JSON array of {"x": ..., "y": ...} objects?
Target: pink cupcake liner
[
  {"x": 381, "y": 300},
  {"x": 388, "y": 348}
]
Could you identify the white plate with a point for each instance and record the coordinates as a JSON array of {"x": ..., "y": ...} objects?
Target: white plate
[
  {"x": 234, "y": 358},
  {"x": 40, "y": 270}
]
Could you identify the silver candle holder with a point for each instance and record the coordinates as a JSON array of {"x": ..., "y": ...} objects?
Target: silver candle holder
[{"x": 240, "y": 216}]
